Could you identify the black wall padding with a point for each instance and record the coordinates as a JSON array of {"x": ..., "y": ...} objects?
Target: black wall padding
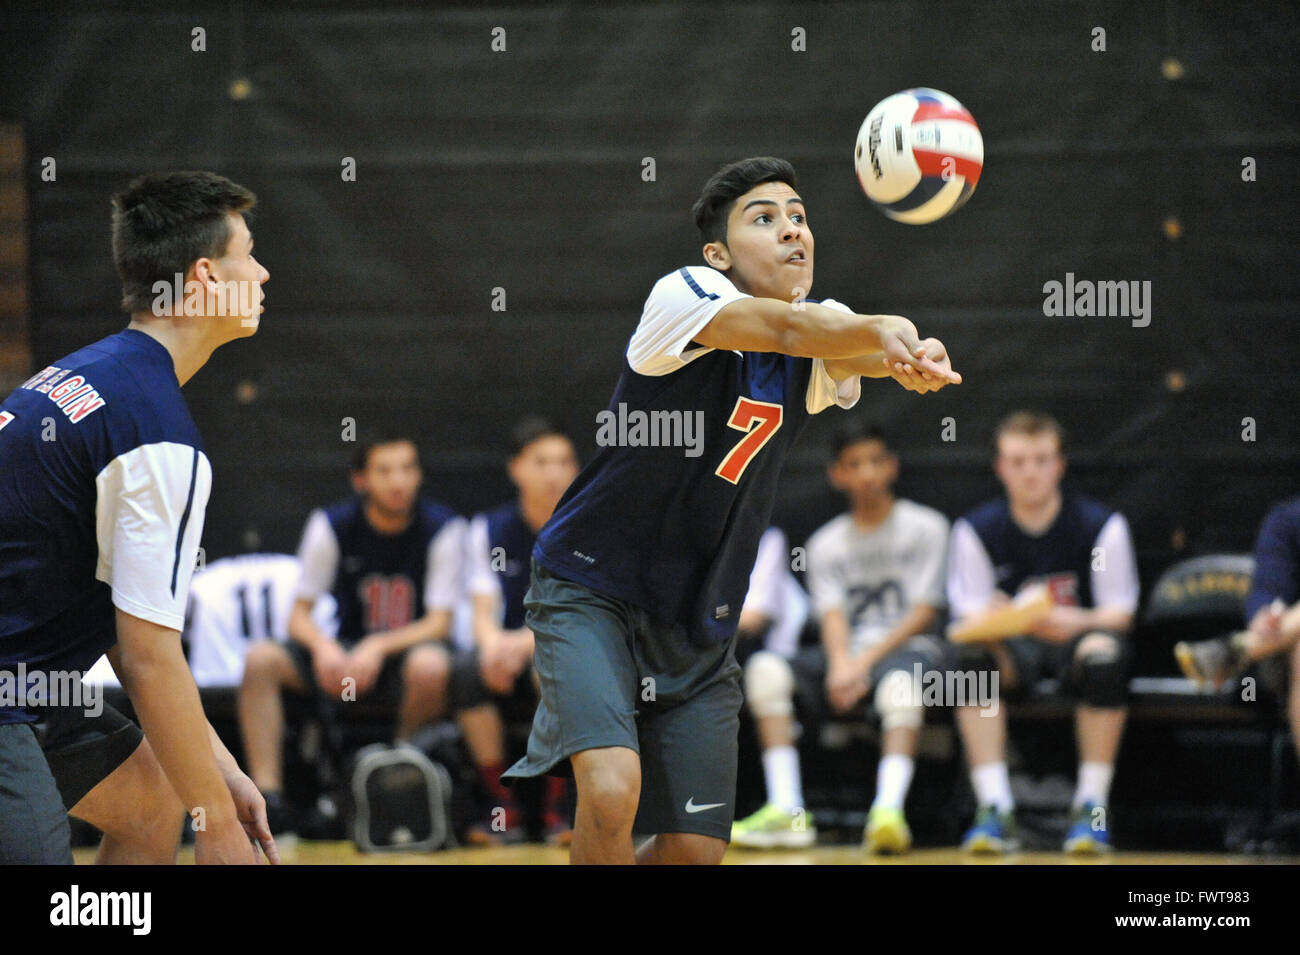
[{"x": 522, "y": 170}]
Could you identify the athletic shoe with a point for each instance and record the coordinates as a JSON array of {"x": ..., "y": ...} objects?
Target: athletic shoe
[
  {"x": 498, "y": 828},
  {"x": 775, "y": 828},
  {"x": 886, "y": 832},
  {"x": 557, "y": 832},
  {"x": 1089, "y": 836},
  {"x": 1210, "y": 663},
  {"x": 993, "y": 833}
]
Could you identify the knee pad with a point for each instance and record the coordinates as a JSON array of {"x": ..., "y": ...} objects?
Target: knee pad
[
  {"x": 898, "y": 701},
  {"x": 769, "y": 685},
  {"x": 1100, "y": 670}
]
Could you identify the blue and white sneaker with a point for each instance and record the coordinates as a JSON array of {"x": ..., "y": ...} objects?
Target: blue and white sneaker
[
  {"x": 994, "y": 833},
  {"x": 1090, "y": 833}
]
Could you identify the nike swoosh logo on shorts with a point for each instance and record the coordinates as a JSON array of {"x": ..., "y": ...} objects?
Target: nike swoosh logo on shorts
[{"x": 691, "y": 807}]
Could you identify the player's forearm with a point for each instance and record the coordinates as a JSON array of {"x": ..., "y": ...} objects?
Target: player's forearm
[
  {"x": 1108, "y": 618},
  {"x": 920, "y": 619},
  {"x": 303, "y": 630},
  {"x": 435, "y": 625},
  {"x": 867, "y": 366},
  {"x": 166, "y": 701},
  {"x": 835, "y": 637},
  {"x": 815, "y": 331}
]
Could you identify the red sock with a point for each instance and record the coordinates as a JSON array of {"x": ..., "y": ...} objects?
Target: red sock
[
  {"x": 497, "y": 791},
  {"x": 556, "y": 789}
]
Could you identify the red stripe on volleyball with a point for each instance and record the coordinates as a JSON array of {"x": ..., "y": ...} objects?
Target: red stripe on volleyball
[
  {"x": 940, "y": 111},
  {"x": 933, "y": 164}
]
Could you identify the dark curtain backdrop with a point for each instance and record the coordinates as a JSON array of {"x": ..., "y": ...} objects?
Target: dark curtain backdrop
[{"x": 522, "y": 170}]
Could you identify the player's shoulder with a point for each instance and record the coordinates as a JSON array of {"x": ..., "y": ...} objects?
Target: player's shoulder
[
  {"x": 921, "y": 515},
  {"x": 1286, "y": 511},
  {"x": 988, "y": 515},
  {"x": 436, "y": 514},
  {"x": 692, "y": 281},
  {"x": 1091, "y": 510},
  {"x": 832, "y": 533},
  {"x": 343, "y": 512}
]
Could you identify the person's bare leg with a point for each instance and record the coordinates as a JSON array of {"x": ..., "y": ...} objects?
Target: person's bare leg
[
  {"x": 484, "y": 734},
  {"x": 1293, "y": 698},
  {"x": 268, "y": 670},
  {"x": 681, "y": 848},
  {"x": 983, "y": 736},
  {"x": 426, "y": 672},
  {"x": 609, "y": 789},
  {"x": 138, "y": 812},
  {"x": 901, "y": 741},
  {"x": 775, "y": 731},
  {"x": 1099, "y": 731}
]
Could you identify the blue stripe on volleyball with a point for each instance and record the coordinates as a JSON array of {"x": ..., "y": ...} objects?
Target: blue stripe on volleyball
[
  {"x": 926, "y": 95},
  {"x": 695, "y": 286},
  {"x": 925, "y": 190}
]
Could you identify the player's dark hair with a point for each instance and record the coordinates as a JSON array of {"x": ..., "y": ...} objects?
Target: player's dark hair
[
  {"x": 530, "y": 429},
  {"x": 361, "y": 457},
  {"x": 730, "y": 183},
  {"x": 1032, "y": 423},
  {"x": 856, "y": 432},
  {"x": 163, "y": 222}
]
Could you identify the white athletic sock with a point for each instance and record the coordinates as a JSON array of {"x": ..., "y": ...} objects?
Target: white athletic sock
[
  {"x": 1094, "y": 784},
  {"x": 781, "y": 770},
  {"x": 992, "y": 785},
  {"x": 893, "y": 777}
]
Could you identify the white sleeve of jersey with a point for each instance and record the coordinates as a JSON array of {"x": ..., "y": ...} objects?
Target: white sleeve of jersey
[
  {"x": 823, "y": 390},
  {"x": 1117, "y": 585},
  {"x": 319, "y": 556},
  {"x": 928, "y": 585},
  {"x": 444, "y": 574},
  {"x": 480, "y": 579},
  {"x": 767, "y": 591},
  {"x": 971, "y": 579},
  {"x": 149, "y": 510},
  {"x": 678, "y": 307}
]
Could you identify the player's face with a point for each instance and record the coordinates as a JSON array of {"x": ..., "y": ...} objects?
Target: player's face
[
  {"x": 769, "y": 247},
  {"x": 864, "y": 471},
  {"x": 544, "y": 469},
  {"x": 237, "y": 279},
  {"x": 1030, "y": 467},
  {"x": 391, "y": 478}
]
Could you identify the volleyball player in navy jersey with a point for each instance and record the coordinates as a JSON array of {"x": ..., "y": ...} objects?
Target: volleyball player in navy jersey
[
  {"x": 103, "y": 487},
  {"x": 639, "y": 577}
]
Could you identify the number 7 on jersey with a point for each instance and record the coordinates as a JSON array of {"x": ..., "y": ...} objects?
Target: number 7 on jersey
[{"x": 759, "y": 419}]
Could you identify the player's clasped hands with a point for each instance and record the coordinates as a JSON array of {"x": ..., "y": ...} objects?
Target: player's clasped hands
[{"x": 919, "y": 366}]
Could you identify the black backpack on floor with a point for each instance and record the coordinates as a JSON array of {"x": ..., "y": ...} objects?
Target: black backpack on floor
[{"x": 397, "y": 799}]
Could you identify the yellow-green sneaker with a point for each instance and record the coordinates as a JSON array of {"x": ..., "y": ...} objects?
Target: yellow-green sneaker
[
  {"x": 887, "y": 832},
  {"x": 775, "y": 828}
]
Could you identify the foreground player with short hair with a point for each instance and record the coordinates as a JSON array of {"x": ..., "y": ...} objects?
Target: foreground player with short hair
[
  {"x": 103, "y": 487},
  {"x": 639, "y": 577}
]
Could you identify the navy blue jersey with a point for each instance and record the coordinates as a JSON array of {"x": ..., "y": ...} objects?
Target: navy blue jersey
[
  {"x": 669, "y": 513},
  {"x": 1277, "y": 558},
  {"x": 500, "y": 543},
  {"x": 381, "y": 581},
  {"x": 103, "y": 489},
  {"x": 1062, "y": 556}
]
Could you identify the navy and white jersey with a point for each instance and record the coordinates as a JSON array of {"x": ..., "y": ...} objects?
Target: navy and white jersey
[
  {"x": 1277, "y": 558},
  {"x": 1085, "y": 557},
  {"x": 668, "y": 514},
  {"x": 382, "y": 581},
  {"x": 103, "y": 488},
  {"x": 498, "y": 547},
  {"x": 876, "y": 577}
]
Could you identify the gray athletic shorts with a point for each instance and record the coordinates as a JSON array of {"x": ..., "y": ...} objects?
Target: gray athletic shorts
[
  {"x": 46, "y": 768},
  {"x": 611, "y": 676}
]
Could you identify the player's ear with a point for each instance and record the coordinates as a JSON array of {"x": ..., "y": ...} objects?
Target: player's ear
[
  {"x": 718, "y": 256},
  {"x": 359, "y": 481}
]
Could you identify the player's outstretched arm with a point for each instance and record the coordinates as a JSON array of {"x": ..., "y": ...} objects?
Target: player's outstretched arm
[
  {"x": 153, "y": 671},
  {"x": 809, "y": 330}
]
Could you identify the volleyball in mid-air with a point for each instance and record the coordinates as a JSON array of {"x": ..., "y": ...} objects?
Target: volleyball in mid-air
[{"x": 919, "y": 155}]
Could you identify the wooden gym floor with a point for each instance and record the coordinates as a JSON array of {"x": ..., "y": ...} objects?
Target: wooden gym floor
[{"x": 343, "y": 853}]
